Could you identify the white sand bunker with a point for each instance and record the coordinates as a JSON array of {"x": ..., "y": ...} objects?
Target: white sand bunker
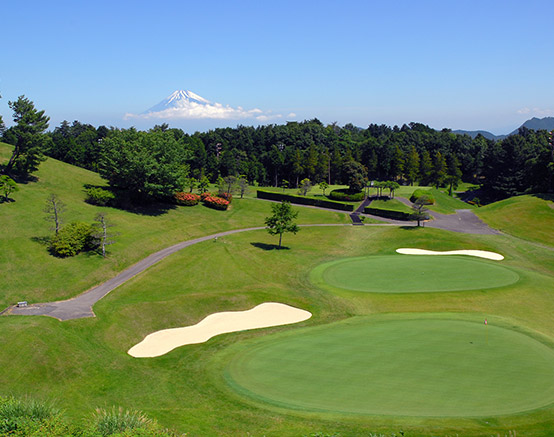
[
  {"x": 478, "y": 253},
  {"x": 262, "y": 316}
]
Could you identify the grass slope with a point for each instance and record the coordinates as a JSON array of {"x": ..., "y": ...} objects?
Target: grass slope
[
  {"x": 527, "y": 217},
  {"x": 30, "y": 273},
  {"x": 82, "y": 364}
]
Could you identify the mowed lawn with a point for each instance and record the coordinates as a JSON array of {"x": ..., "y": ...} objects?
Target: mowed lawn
[
  {"x": 404, "y": 365},
  {"x": 30, "y": 273},
  {"x": 197, "y": 389},
  {"x": 83, "y": 364}
]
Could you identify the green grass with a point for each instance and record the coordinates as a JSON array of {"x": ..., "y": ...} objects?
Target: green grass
[
  {"x": 82, "y": 365},
  {"x": 412, "y": 274},
  {"x": 527, "y": 217},
  {"x": 30, "y": 273},
  {"x": 392, "y": 205},
  {"x": 400, "y": 366}
]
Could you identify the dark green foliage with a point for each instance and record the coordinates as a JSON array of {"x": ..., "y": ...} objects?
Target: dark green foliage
[
  {"x": 426, "y": 195},
  {"x": 99, "y": 196},
  {"x": 346, "y": 195},
  {"x": 356, "y": 175},
  {"x": 148, "y": 166},
  {"x": 27, "y": 137},
  {"x": 72, "y": 239},
  {"x": 301, "y": 200},
  {"x": 78, "y": 144}
]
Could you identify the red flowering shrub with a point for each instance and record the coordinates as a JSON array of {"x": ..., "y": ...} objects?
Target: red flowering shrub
[
  {"x": 216, "y": 202},
  {"x": 187, "y": 199},
  {"x": 226, "y": 196},
  {"x": 206, "y": 194}
]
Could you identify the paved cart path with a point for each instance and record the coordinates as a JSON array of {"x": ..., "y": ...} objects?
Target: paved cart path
[{"x": 81, "y": 306}]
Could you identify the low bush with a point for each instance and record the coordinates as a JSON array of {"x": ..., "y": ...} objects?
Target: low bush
[
  {"x": 301, "y": 200},
  {"x": 18, "y": 416},
  {"x": 72, "y": 239},
  {"x": 227, "y": 196},
  {"x": 426, "y": 195},
  {"x": 346, "y": 195},
  {"x": 187, "y": 199},
  {"x": 216, "y": 202},
  {"x": 99, "y": 196}
]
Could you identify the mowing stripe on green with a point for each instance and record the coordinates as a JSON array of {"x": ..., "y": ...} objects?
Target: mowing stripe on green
[
  {"x": 408, "y": 366},
  {"x": 407, "y": 274}
]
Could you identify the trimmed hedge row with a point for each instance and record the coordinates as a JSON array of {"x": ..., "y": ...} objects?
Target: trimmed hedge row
[
  {"x": 304, "y": 200},
  {"x": 345, "y": 194},
  {"x": 387, "y": 213}
]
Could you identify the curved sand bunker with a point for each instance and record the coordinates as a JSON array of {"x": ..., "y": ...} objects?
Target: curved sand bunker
[
  {"x": 479, "y": 253},
  {"x": 262, "y": 316}
]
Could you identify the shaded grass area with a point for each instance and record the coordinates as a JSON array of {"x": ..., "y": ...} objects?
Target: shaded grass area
[
  {"x": 423, "y": 365},
  {"x": 83, "y": 363},
  {"x": 528, "y": 217}
]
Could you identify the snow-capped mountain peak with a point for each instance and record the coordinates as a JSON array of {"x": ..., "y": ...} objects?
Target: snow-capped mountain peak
[{"x": 178, "y": 99}]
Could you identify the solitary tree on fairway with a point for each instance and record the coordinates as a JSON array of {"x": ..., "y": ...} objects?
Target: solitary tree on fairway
[{"x": 281, "y": 220}]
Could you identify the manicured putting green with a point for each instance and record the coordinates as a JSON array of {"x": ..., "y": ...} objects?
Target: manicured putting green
[
  {"x": 412, "y": 274},
  {"x": 403, "y": 367}
]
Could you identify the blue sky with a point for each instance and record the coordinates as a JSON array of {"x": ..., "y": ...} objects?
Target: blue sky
[{"x": 459, "y": 64}]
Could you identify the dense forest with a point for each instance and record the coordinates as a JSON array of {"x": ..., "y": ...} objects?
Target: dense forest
[{"x": 158, "y": 161}]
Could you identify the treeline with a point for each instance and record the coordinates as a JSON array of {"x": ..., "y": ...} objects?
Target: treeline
[{"x": 157, "y": 162}]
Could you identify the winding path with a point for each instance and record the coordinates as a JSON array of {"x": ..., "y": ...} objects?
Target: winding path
[{"x": 81, "y": 306}]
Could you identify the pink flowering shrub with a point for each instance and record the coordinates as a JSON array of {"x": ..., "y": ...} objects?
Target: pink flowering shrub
[
  {"x": 216, "y": 202},
  {"x": 187, "y": 199}
]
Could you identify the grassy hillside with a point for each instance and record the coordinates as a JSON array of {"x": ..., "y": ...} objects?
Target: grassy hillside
[
  {"x": 30, "y": 273},
  {"x": 527, "y": 217},
  {"x": 83, "y": 364}
]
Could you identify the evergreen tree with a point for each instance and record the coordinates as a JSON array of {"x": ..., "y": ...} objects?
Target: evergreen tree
[
  {"x": 411, "y": 168},
  {"x": 27, "y": 137}
]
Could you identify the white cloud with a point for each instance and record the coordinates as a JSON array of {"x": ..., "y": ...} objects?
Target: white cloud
[
  {"x": 196, "y": 111},
  {"x": 291, "y": 115},
  {"x": 536, "y": 111}
]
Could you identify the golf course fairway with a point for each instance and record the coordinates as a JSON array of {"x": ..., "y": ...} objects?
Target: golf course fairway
[
  {"x": 412, "y": 274},
  {"x": 406, "y": 365}
]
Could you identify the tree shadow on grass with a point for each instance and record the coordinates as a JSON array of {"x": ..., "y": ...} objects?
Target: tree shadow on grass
[
  {"x": 265, "y": 246},
  {"x": 43, "y": 241}
]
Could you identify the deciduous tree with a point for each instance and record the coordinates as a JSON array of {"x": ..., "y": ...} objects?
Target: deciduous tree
[{"x": 282, "y": 220}]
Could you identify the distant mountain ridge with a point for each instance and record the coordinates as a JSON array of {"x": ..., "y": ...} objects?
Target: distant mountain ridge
[{"x": 546, "y": 123}]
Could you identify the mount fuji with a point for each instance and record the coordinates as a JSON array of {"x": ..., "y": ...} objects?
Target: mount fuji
[
  {"x": 178, "y": 99},
  {"x": 186, "y": 105}
]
